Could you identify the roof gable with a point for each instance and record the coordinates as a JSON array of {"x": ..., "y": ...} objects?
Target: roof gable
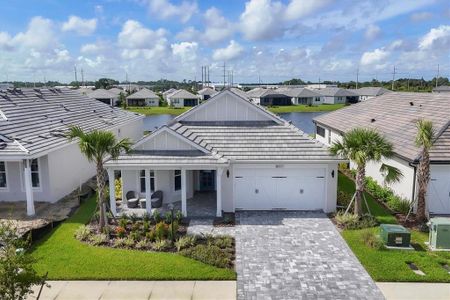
[
  {"x": 143, "y": 94},
  {"x": 182, "y": 94},
  {"x": 227, "y": 106}
]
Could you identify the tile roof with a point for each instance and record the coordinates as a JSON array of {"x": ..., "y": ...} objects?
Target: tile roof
[
  {"x": 143, "y": 94},
  {"x": 442, "y": 88},
  {"x": 116, "y": 91},
  {"x": 182, "y": 94},
  {"x": 372, "y": 91},
  {"x": 395, "y": 115},
  {"x": 299, "y": 92},
  {"x": 38, "y": 118},
  {"x": 101, "y": 94},
  {"x": 336, "y": 92},
  {"x": 207, "y": 91}
]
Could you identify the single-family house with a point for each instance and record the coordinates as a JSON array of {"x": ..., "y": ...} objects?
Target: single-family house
[
  {"x": 395, "y": 115},
  {"x": 168, "y": 92},
  {"x": 182, "y": 98},
  {"x": 37, "y": 162},
  {"x": 104, "y": 96},
  {"x": 206, "y": 93},
  {"x": 144, "y": 97},
  {"x": 116, "y": 91},
  {"x": 303, "y": 96},
  {"x": 269, "y": 97},
  {"x": 334, "y": 95},
  {"x": 370, "y": 92},
  {"x": 442, "y": 89},
  {"x": 245, "y": 156}
]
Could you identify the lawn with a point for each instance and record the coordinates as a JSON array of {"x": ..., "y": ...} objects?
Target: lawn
[
  {"x": 65, "y": 258},
  {"x": 390, "y": 265},
  {"x": 158, "y": 110}
]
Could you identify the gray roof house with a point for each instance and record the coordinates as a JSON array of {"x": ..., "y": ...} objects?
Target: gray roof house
[
  {"x": 442, "y": 89},
  {"x": 244, "y": 156},
  {"x": 335, "y": 95},
  {"x": 144, "y": 97},
  {"x": 370, "y": 92},
  {"x": 395, "y": 115},
  {"x": 302, "y": 95},
  {"x": 206, "y": 93},
  {"x": 104, "y": 96},
  {"x": 182, "y": 98},
  {"x": 37, "y": 162},
  {"x": 116, "y": 91},
  {"x": 168, "y": 92},
  {"x": 269, "y": 97}
]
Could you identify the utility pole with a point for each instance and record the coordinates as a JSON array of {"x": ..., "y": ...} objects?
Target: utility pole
[
  {"x": 357, "y": 77},
  {"x": 437, "y": 76},
  {"x": 82, "y": 77},
  {"x": 75, "y": 71},
  {"x": 224, "y": 74},
  {"x": 393, "y": 79}
]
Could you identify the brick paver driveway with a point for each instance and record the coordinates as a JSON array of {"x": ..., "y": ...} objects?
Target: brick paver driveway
[{"x": 296, "y": 255}]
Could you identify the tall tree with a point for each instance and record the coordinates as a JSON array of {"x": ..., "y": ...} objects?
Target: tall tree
[
  {"x": 362, "y": 146},
  {"x": 98, "y": 146},
  {"x": 424, "y": 139}
]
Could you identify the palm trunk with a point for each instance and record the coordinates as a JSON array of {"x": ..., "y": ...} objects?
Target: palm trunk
[
  {"x": 423, "y": 177},
  {"x": 360, "y": 178},
  {"x": 101, "y": 194}
]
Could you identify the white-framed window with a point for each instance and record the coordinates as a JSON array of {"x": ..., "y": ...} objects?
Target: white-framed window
[
  {"x": 320, "y": 131},
  {"x": 142, "y": 181},
  {"x": 177, "y": 180},
  {"x": 3, "y": 176},
  {"x": 35, "y": 174}
]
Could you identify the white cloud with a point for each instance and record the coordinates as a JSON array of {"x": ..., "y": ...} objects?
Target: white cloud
[
  {"x": 164, "y": 9},
  {"x": 298, "y": 9},
  {"x": 187, "y": 51},
  {"x": 79, "y": 25},
  {"x": 436, "y": 39},
  {"x": 262, "y": 19},
  {"x": 232, "y": 51},
  {"x": 188, "y": 34},
  {"x": 372, "y": 32},
  {"x": 5, "y": 41},
  {"x": 421, "y": 16},
  {"x": 217, "y": 28},
  {"x": 135, "y": 36},
  {"x": 374, "y": 57},
  {"x": 39, "y": 35}
]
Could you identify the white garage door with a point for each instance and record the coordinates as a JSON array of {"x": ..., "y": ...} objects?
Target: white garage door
[
  {"x": 291, "y": 189},
  {"x": 438, "y": 199}
]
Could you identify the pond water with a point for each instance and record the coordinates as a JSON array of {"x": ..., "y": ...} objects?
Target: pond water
[{"x": 302, "y": 120}]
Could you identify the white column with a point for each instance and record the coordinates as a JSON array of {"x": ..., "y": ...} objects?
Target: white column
[
  {"x": 148, "y": 192},
  {"x": 29, "y": 187},
  {"x": 219, "y": 173},
  {"x": 183, "y": 193},
  {"x": 112, "y": 192},
  {"x": 124, "y": 198}
]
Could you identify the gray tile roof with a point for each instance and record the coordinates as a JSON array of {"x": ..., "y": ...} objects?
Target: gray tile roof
[
  {"x": 239, "y": 92},
  {"x": 395, "y": 115},
  {"x": 299, "y": 92},
  {"x": 182, "y": 94},
  {"x": 207, "y": 91},
  {"x": 442, "y": 88},
  {"x": 336, "y": 92},
  {"x": 101, "y": 94},
  {"x": 38, "y": 118},
  {"x": 372, "y": 91},
  {"x": 116, "y": 91},
  {"x": 256, "y": 92},
  {"x": 143, "y": 94}
]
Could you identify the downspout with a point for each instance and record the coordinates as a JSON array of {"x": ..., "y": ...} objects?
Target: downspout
[{"x": 414, "y": 181}]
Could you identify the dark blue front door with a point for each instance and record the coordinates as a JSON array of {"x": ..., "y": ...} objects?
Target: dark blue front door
[{"x": 207, "y": 180}]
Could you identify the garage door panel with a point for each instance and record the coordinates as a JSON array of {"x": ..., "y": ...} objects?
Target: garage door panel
[{"x": 439, "y": 193}]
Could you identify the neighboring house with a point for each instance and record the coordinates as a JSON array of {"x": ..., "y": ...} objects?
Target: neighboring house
[
  {"x": 442, "y": 89},
  {"x": 182, "y": 98},
  {"x": 371, "y": 92},
  {"x": 395, "y": 116},
  {"x": 37, "y": 162},
  {"x": 250, "y": 158},
  {"x": 303, "y": 96},
  {"x": 144, "y": 97},
  {"x": 334, "y": 95},
  {"x": 168, "y": 92},
  {"x": 269, "y": 97},
  {"x": 206, "y": 93},
  {"x": 240, "y": 92},
  {"x": 104, "y": 96},
  {"x": 116, "y": 91}
]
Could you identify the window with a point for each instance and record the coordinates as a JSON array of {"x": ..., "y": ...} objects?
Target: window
[
  {"x": 320, "y": 131},
  {"x": 177, "y": 180},
  {"x": 317, "y": 99},
  {"x": 3, "y": 183},
  {"x": 142, "y": 181},
  {"x": 329, "y": 136},
  {"x": 35, "y": 173}
]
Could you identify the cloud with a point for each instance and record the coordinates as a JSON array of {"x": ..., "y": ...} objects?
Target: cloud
[
  {"x": 79, "y": 25},
  {"x": 5, "y": 41},
  {"x": 436, "y": 39},
  {"x": 164, "y": 9},
  {"x": 298, "y": 9},
  {"x": 39, "y": 35},
  {"x": 374, "y": 57},
  {"x": 421, "y": 16},
  {"x": 217, "y": 28},
  {"x": 372, "y": 32},
  {"x": 135, "y": 36},
  {"x": 232, "y": 51},
  {"x": 186, "y": 51}
]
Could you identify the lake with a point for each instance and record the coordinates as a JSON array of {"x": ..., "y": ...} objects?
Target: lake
[{"x": 302, "y": 120}]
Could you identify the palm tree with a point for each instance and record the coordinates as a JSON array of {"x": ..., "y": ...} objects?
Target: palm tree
[
  {"x": 361, "y": 146},
  {"x": 98, "y": 146},
  {"x": 424, "y": 138}
]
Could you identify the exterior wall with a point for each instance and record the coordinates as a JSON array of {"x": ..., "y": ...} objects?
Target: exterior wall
[
  {"x": 143, "y": 102},
  {"x": 334, "y": 100},
  {"x": 173, "y": 103},
  {"x": 309, "y": 100},
  {"x": 133, "y": 131},
  {"x": 330, "y": 136},
  {"x": 227, "y": 190},
  {"x": 438, "y": 195},
  {"x": 165, "y": 141}
]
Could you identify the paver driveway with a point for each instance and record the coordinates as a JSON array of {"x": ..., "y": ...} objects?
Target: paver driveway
[{"x": 296, "y": 255}]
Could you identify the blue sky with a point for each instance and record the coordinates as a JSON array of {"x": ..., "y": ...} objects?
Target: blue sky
[{"x": 274, "y": 40}]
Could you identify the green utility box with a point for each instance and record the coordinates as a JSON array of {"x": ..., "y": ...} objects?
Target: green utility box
[
  {"x": 395, "y": 235},
  {"x": 440, "y": 233}
]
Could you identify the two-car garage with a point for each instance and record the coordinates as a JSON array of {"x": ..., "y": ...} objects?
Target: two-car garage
[{"x": 277, "y": 187}]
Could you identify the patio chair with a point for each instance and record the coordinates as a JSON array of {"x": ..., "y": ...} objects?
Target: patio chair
[
  {"x": 132, "y": 199},
  {"x": 157, "y": 199}
]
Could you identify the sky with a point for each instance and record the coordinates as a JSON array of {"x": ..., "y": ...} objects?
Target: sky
[{"x": 263, "y": 40}]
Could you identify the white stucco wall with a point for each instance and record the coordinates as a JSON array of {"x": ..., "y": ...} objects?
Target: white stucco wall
[{"x": 438, "y": 195}]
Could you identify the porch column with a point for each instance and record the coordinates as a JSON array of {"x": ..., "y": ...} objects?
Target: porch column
[
  {"x": 183, "y": 193},
  {"x": 28, "y": 187},
  {"x": 124, "y": 198},
  {"x": 112, "y": 192},
  {"x": 148, "y": 192},
  {"x": 219, "y": 173}
]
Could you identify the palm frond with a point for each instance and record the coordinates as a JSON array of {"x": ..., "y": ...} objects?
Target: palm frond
[
  {"x": 390, "y": 173},
  {"x": 425, "y": 134}
]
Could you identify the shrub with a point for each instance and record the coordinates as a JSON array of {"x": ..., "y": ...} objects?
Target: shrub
[
  {"x": 98, "y": 239},
  {"x": 168, "y": 217},
  {"x": 367, "y": 221},
  {"x": 371, "y": 240},
  {"x": 119, "y": 243},
  {"x": 161, "y": 231},
  {"x": 185, "y": 242},
  {"x": 352, "y": 221},
  {"x": 129, "y": 242},
  {"x": 156, "y": 216},
  {"x": 208, "y": 254},
  {"x": 151, "y": 235},
  {"x": 161, "y": 245},
  {"x": 120, "y": 231},
  {"x": 123, "y": 221},
  {"x": 169, "y": 231},
  {"x": 399, "y": 205},
  {"x": 178, "y": 216},
  {"x": 343, "y": 198},
  {"x": 134, "y": 218},
  {"x": 82, "y": 233},
  {"x": 146, "y": 226},
  {"x": 223, "y": 242},
  {"x": 118, "y": 188},
  {"x": 143, "y": 244},
  {"x": 135, "y": 236},
  {"x": 146, "y": 218}
]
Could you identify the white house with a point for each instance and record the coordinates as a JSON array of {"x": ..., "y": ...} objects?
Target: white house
[
  {"x": 144, "y": 97},
  {"x": 269, "y": 97},
  {"x": 37, "y": 162},
  {"x": 248, "y": 157},
  {"x": 168, "y": 92},
  {"x": 303, "y": 96},
  {"x": 182, "y": 98},
  {"x": 371, "y": 92},
  {"x": 206, "y": 93},
  {"x": 395, "y": 115},
  {"x": 334, "y": 95},
  {"x": 104, "y": 96}
]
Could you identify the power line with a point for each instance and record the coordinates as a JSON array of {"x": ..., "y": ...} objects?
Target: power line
[{"x": 393, "y": 79}]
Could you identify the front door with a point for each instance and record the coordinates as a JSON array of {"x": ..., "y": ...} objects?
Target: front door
[{"x": 207, "y": 180}]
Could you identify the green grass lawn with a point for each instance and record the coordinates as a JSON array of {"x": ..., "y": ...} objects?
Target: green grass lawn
[
  {"x": 65, "y": 258},
  {"x": 158, "y": 110},
  {"x": 390, "y": 265}
]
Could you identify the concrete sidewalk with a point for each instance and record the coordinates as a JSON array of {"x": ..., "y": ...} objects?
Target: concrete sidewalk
[
  {"x": 137, "y": 290},
  {"x": 415, "y": 290}
]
